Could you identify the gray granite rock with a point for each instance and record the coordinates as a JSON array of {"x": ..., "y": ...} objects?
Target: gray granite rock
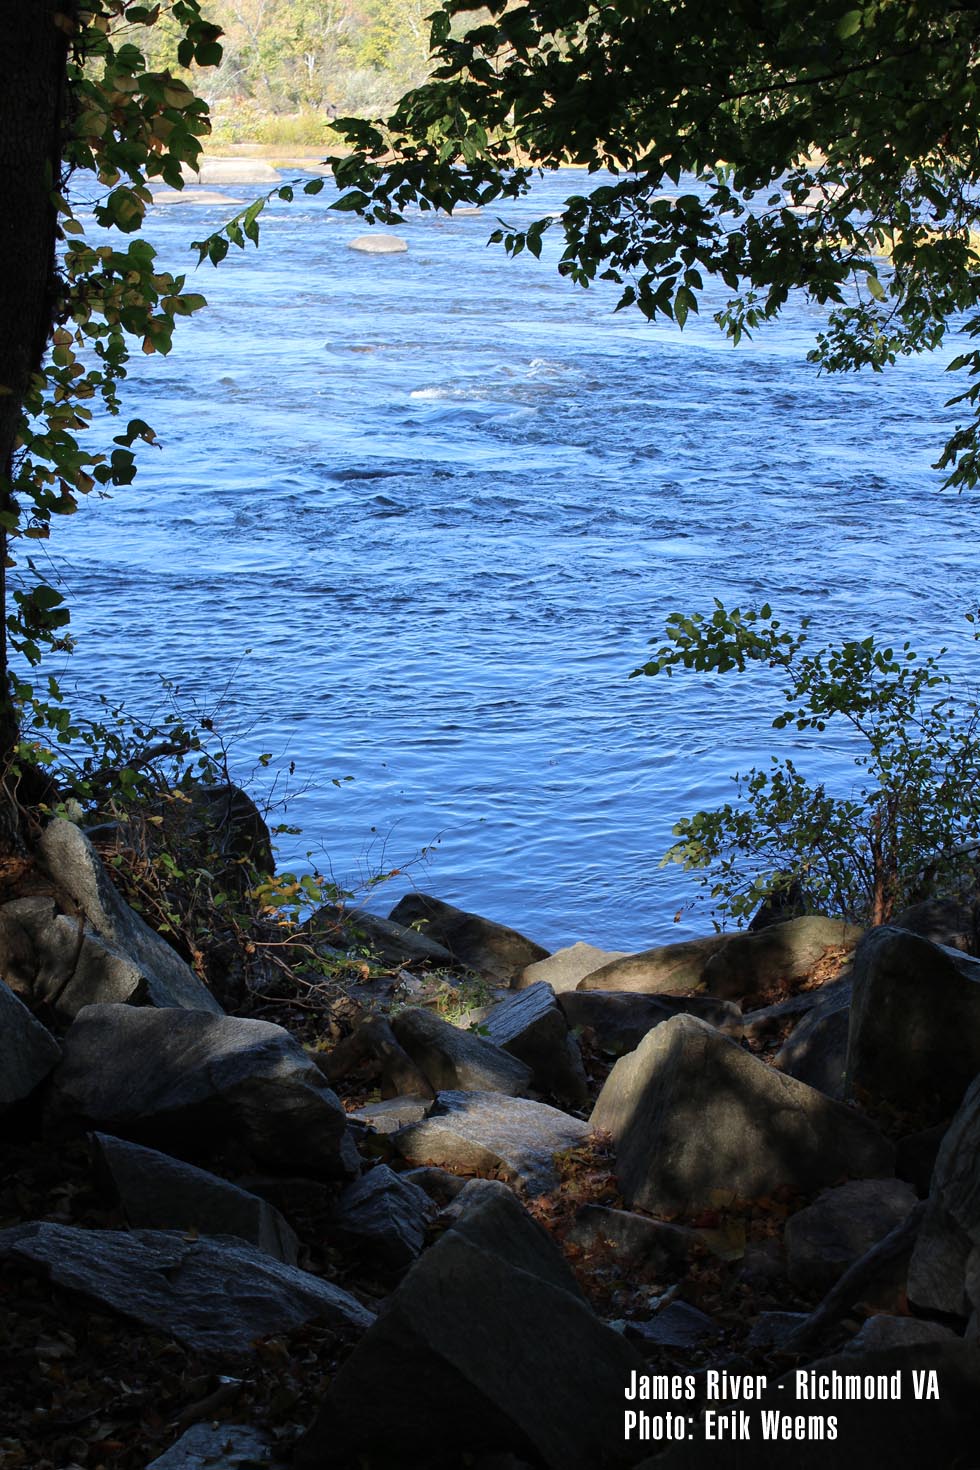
[
  {"x": 915, "y": 1024},
  {"x": 827, "y": 1237},
  {"x": 481, "y": 944},
  {"x": 384, "y": 1216},
  {"x": 157, "y": 1192},
  {"x": 951, "y": 1229},
  {"x": 696, "y": 1118},
  {"x": 393, "y": 1113},
  {"x": 678, "y": 1325},
  {"x": 753, "y": 962},
  {"x": 28, "y": 1052},
  {"x": 213, "y": 1294},
  {"x": 195, "y": 1084},
  {"x": 485, "y": 1132},
  {"x": 566, "y": 967},
  {"x": 77, "y": 870},
  {"x": 395, "y": 944},
  {"x": 619, "y": 1021},
  {"x": 455, "y": 1060},
  {"x": 665, "y": 969},
  {"x": 884, "y": 1331},
  {"x": 379, "y": 244},
  {"x": 815, "y": 1051},
  {"x": 485, "y": 1347},
  {"x": 531, "y": 1025}
]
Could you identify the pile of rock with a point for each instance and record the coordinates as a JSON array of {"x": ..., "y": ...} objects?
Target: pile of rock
[{"x": 204, "y": 1129}]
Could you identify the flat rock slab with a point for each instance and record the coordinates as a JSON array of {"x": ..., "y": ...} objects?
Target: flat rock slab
[
  {"x": 481, "y": 944},
  {"x": 219, "y": 1447},
  {"x": 379, "y": 244},
  {"x": 28, "y": 1052},
  {"x": 213, "y": 1294},
  {"x": 484, "y": 1132},
  {"x": 753, "y": 962},
  {"x": 915, "y": 1023},
  {"x": 390, "y": 1115},
  {"x": 843, "y": 1223},
  {"x": 201, "y": 197},
  {"x": 196, "y": 1084},
  {"x": 619, "y": 1021},
  {"x": 481, "y": 1349},
  {"x": 566, "y": 967},
  {"x": 455, "y": 1060},
  {"x": 667, "y": 969},
  {"x": 157, "y": 1192},
  {"x": 531, "y": 1025},
  {"x": 385, "y": 1217},
  {"x": 679, "y": 1325},
  {"x": 697, "y": 1120},
  {"x": 76, "y": 868},
  {"x": 232, "y": 171}
]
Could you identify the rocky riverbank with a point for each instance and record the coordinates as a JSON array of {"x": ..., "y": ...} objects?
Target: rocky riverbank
[{"x": 484, "y": 1204}]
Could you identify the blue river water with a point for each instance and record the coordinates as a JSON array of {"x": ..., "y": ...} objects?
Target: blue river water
[{"x": 416, "y": 517}]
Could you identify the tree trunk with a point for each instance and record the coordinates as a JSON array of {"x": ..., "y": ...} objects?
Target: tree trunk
[{"x": 32, "y": 110}]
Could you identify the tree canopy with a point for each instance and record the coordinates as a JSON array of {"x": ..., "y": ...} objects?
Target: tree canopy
[{"x": 836, "y": 146}]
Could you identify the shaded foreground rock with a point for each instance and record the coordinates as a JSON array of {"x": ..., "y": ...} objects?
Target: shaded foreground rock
[
  {"x": 213, "y": 1294},
  {"x": 531, "y": 1026},
  {"x": 76, "y": 868},
  {"x": 455, "y": 1060},
  {"x": 28, "y": 1052},
  {"x": 696, "y": 1119},
  {"x": 662, "y": 970},
  {"x": 484, "y": 1132},
  {"x": 753, "y": 962},
  {"x": 620, "y": 1021},
  {"x": 942, "y": 1274},
  {"x": 196, "y": 1084},
  {"x": 487, "y": 1345},
  {"x": 157, "y": 1192},
  {"x": 482, "y": 944},
  {"x": 827, "y": 1237},
  {"x": 915, "y": 1023},
  {"x": 815, "y": 1052}
]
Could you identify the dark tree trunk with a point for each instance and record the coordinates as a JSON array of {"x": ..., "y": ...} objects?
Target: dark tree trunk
[{"x": 32, "y": 100}]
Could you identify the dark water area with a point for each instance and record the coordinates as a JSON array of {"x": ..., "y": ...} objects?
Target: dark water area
[{"x": 416, "y": 517}]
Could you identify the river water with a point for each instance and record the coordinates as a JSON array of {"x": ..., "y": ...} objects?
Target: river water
[{"x": 417, "y": 516}]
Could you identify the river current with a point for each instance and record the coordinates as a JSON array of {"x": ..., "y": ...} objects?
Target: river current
[{"x": 416, "y": 517}]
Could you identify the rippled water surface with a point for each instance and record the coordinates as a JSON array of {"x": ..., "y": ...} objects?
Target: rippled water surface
[{"x": 445, "y": 499}]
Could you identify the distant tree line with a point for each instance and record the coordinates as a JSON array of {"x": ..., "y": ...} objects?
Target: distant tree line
[{"x": 313, "y": 58}]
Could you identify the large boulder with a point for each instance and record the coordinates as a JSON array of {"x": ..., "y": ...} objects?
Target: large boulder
[
  {"x": 942, "y": 1277},
  {"x": 455, "y": 1060},
  {"x": 28, "y": 1052},
  {"x": 754, "y": 962},
  {"x": 696, "y": 1119},
  {"x": 486, "y": 1346},
  {"x": 481, "y": 944},
  {"x": 156, "y": 1192},
  {"x": 915, "y": 1024},
  {"x": 531, "y": 1025},
  {"x": 827, "y": 1237},
  {"x": 619, "y": 1021},
  {"x": 566, "y": 967},
  {"x": 200, "y": 1086},
  {"x": 213, "y": 1294},
  {"x": 666, "y": 969},
  {"x": 165, "y": 979},
  {"x": 487, "y": 1133}
]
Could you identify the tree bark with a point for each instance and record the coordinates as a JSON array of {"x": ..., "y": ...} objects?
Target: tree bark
[{"x": 32, "y": 111}]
